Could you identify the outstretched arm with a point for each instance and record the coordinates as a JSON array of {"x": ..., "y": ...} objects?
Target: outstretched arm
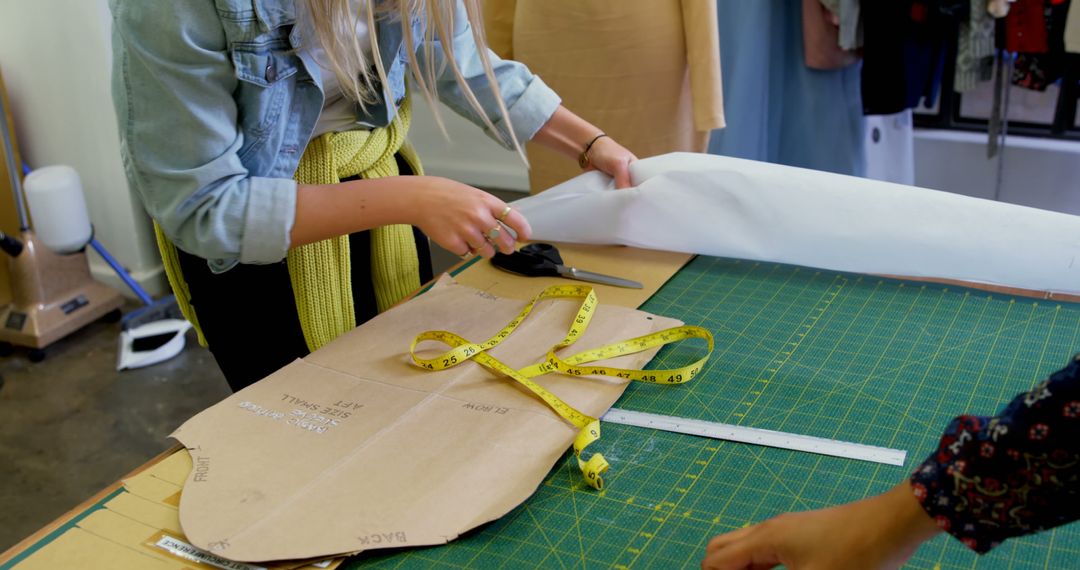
[
  {"x": 879, "y": 532},
  {"x": 990, "y": 479}
]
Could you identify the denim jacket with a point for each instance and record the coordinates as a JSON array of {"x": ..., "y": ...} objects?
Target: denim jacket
[{"x": 216, "y": 102}]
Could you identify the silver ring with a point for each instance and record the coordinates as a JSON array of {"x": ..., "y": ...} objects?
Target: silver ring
[
  {"x": 505, "y": 212},
  {"x": 493, "y": 233}
]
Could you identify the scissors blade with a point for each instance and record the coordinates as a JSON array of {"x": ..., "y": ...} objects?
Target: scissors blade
[{"x": 581, "y": 275}]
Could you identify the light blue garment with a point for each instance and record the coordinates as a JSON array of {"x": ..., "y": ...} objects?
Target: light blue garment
[
  {"x": 777, "y": 109},
  {"x": 216, "y": 103}
]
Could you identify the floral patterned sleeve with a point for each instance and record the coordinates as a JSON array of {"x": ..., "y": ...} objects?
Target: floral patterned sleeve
[{"x": 1012, "y": 474}]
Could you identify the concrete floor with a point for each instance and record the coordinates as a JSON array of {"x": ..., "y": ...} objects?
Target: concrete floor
[{"x": 71, "y": 425}]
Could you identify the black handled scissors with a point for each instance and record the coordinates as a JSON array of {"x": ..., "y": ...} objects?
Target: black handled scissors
[{"x": 543, "y": 260}]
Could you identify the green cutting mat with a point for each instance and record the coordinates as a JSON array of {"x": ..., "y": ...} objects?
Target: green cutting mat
[{"x": 856, "y": 358}]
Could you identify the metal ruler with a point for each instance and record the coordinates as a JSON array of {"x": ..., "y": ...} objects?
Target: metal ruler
[{"x": 757, "y": 436}]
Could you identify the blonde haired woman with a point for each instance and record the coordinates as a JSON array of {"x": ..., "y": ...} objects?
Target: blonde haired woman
[{"x": 266, "y": 138}]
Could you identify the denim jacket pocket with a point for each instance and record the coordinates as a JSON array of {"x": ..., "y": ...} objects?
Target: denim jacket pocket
[
  {"x": 264, "y": 65},
  {"x": 266, "y": 74}
]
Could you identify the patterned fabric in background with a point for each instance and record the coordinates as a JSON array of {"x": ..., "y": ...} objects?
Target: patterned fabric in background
[{"x": 1041, "y": 58}]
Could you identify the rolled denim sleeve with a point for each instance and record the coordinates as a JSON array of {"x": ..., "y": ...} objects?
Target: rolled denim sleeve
[
  {"x": 172, "y": 88},
  {"x": 529, "y": 101}
]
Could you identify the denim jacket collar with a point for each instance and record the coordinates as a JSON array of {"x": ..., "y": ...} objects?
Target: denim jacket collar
[{"x": 274, "y": 14}]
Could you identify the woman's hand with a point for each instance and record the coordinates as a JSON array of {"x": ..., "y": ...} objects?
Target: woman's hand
[
  {"x": 879, "y": 532},
  {"x": 463, "y": 219},
  {"x": 460, "y": 218},
  {"x": 612, "y": 159},
  {"x": 569, "y": 134}
]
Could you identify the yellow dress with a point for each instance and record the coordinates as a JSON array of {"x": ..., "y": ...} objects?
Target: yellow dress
[{"x": 646, "y": 72}]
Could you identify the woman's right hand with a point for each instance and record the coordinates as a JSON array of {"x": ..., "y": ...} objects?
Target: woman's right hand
[
  {"x": 458, "y": 217},
  {"x": 461, "y": 218}
]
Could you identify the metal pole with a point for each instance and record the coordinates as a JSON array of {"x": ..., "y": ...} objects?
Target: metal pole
[
  {"x": 13, "y": 169},
  {"x": 120, "y": 271},
  {"x": 1004, "y": 135}
]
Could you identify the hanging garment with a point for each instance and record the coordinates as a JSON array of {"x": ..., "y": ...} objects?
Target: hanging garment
[
  {"x": 851, "y": 27},
  {"x": 1025, "y": 27},
  {"x": 820, "y": 48},
  {"x": 904, "y": 51},
  {"x": 846, "y": 12},
  {"x": 647, "y": 72},
  {"x": 1044, "y": 27},
  {"x": 974, "y": 49},
  {"x": 778, "y": 110}
]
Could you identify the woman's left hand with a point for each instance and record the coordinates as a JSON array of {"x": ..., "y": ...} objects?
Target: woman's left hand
[
  {"x": 567, "y": 134},
  {"x": 612, "y": 159}
]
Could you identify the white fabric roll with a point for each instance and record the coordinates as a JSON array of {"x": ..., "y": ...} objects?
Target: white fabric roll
[
  {"x": 58, "y": 209},
  {"x": 730, "y": 207}
]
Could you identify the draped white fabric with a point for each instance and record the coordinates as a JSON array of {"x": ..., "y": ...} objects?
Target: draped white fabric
[{"x": 730, "y": 207}]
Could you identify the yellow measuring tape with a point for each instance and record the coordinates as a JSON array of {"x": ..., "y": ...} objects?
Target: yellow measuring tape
[{"x": 596, "y": 465}]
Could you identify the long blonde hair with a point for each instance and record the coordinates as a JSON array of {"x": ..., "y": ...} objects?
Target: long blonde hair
[{"x": 334, "y": 23}]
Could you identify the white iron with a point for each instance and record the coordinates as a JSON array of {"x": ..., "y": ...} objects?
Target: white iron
[{"x": 151, "y": 343}]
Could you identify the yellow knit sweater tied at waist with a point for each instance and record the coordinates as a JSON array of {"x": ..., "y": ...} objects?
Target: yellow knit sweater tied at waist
[{"x": 321, "y": 272}]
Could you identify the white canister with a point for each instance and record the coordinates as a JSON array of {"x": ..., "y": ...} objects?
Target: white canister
[{"x": 57, "y": 207}]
